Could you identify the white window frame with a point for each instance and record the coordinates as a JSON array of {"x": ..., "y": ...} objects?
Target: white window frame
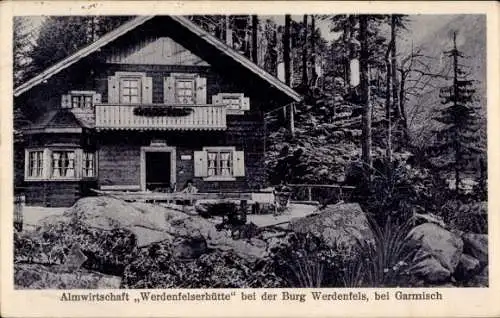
[
  {"x": 82, "y": 94},
  {"x": 52, "y": 166},
  {"x": 94, "y": 164},
  {"x": 48, "y": 164},
  {"x": 232, "y": 109},
  {"x": 191, "y": 77},
  {"x": 218, "y": 150},
  {"x": 139, "y": 76},
  {"x": 27, "y": 175}
]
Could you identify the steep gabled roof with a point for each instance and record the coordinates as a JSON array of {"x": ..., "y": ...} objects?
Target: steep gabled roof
[
  {"x": 64, "y": 119},
  {"x": 136, "y": 22}
]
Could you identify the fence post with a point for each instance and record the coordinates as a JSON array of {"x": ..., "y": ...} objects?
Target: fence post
[
  {"x": 19, "y": 202},
  {"x": 309, "y": 192}
]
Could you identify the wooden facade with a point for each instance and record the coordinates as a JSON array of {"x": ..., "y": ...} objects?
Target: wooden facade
[{"x": 150, "y": 109}]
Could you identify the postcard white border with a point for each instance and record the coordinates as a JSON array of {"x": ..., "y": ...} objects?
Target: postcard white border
[{"x": 458, "y": 302}]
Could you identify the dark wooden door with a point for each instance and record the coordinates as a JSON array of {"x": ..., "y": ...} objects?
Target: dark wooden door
[{"x": 158, "y": 170}]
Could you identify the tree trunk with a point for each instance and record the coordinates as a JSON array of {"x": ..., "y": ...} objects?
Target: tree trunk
[
  {"x": 366, "y": 134},
  {"x": 346, "y": 58},
  {"x": 304, "y": 53},
  {"x": 404, "y": 119},
  {"x": 286, "y": 49},
  {"x": 388, "y": 78},
  {"x": 394, "y": 68},
  {"x": 255, "y": 27},
  {"x": 455, "y": 98},
  {"x": 286, "y": 60},
  {"x": 313, "y": 51}
]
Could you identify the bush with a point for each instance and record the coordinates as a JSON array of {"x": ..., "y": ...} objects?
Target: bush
[
  {"x": 106, "y": 251},
  {"x": 157, "y": 267},
  {"x": 398, "y": 190},
  {"x": 386, "y": 262},
  {"x": 304, "y": 260},
  {"x": 466, "y": 217}
]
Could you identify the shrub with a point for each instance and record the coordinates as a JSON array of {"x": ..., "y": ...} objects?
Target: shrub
[
  {"x": 157, "y": 267},
  {"x": 304, "y": 260},
  {"x": 384, "y": 263},
  {"x": 106, "y": 251},
  {"x": 466, "y": 217}
]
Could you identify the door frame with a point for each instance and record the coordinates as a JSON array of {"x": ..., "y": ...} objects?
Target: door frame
[{"x": 173, "y": 158}]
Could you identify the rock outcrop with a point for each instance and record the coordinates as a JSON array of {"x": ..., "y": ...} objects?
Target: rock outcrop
[
  {"x": 340, "y": 225},
  {"x": 437, "y": 252}
]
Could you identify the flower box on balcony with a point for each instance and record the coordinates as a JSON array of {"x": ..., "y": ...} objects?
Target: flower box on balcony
[{"x": 168, "y": 111}]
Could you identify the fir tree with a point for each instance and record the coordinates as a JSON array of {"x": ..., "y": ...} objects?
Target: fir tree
[{"x": 457, "y": 139}]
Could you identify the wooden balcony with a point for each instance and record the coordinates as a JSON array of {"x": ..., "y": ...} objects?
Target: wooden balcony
[{"x": 201, "y": 117}]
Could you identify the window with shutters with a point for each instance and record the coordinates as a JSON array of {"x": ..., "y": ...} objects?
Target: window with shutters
[
  {"x": 219, "y": 163},
  {"x": 80, "y": 99},
  {"x": 63, "y": 164},
  {"x": 185, "y": 89},
  {"x": 130, "y": 90},
  {"x": 35, "y": 164},
  {"x": 236, "y": 103}
]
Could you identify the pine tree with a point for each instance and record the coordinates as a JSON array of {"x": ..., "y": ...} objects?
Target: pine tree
[
  {"x": 60, "y": 36},
  {"x": 457, "y": 140}
]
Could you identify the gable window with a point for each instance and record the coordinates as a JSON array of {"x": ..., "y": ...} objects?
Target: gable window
[
  {"x": 219, "y": 163},
  {"x": 35, "y": 164},
  {"x": 63, "y": 164},
  {"x": 88, "y": 165},
  {"x": 236, "y": 103},
  {"x": 80, "y": 99},
  {"x": 184, "y": 91},
  {"x": 130, "y": 90}
]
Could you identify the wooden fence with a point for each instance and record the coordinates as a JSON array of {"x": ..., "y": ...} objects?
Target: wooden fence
[{"x": 323, "y": 193}]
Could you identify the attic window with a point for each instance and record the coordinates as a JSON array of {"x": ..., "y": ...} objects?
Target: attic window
[
  {"x": 80, "y": 99},
  {"x": 184, "y": 91},
  {"x": 130, "y": 90}
]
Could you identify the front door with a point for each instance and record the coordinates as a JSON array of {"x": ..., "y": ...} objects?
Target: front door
[{"x": 158, "y": 170}]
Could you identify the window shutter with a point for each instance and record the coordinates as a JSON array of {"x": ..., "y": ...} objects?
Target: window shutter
[
  {"x": 66, "y": 101},
  {"x": 147, "y": 90},
  {"x": 245, "y": 103},
  {"x": 169, "y": 90},
  {"x": 113, "y": 90},
  {"x": 217, "y": 99},
  {"x": 96, "y": 99},
  {"x": 200, "y": 163},
  {"x": 239, "y": 164},
  {"x": 201, "y": 90}
]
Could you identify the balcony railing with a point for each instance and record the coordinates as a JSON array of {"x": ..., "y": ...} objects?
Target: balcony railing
[{"x": 201, "y": 117}]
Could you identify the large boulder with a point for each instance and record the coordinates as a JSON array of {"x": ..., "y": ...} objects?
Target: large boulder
[
  {"x": 467, "y": 267},
  {"x": 476, "y": 245},
  {"x": 34, "y": 276},
  {"x": 152, "y": 223},
  {"x": 436, "y": 251},
  {"x": 340, "y": 225}
]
